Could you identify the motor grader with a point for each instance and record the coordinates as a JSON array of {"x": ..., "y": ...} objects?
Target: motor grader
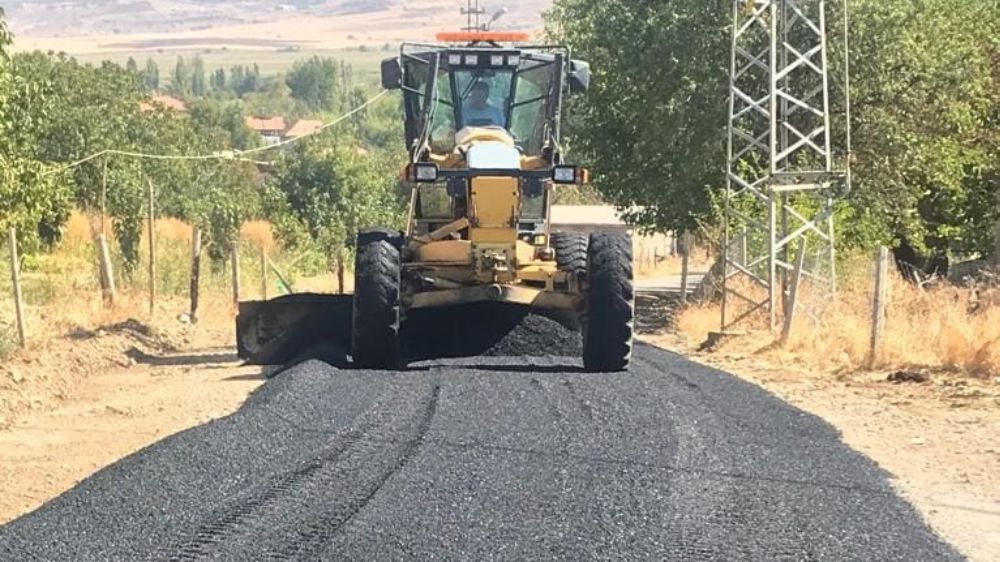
[{"x": 482, "y": 124}]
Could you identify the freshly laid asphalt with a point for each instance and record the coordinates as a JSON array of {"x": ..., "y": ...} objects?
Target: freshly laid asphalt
[{"x": 493, "y": 457}]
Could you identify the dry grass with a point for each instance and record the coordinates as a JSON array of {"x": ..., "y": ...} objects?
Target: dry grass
[
  {"x": 942, "y": 328},
  {"x": 258, "y": 233},
  {"x": 78, "y": 229}
]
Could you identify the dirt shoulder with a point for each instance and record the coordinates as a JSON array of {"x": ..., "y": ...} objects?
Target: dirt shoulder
[
  {"x": 75, "y": 404},
  {"x": 938, "y": 439}
]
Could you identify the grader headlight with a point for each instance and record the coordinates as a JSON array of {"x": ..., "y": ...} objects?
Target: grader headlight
[
  {"x": 570, "y": 175},
  {"x": 424, "y": 172},
  {"x": 564, "y": 174}
]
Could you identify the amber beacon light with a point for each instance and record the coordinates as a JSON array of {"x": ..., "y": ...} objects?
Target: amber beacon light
[{"x": 482, "y": 36}]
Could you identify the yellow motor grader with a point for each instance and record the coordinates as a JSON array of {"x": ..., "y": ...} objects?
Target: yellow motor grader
[{"x": 482, "y": 126}]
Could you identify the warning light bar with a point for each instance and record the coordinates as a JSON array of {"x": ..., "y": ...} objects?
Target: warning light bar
[{"x": 482, "y": 37}]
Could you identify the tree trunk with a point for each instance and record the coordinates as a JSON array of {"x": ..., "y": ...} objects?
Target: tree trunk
[{"x": 996, "y": 245}]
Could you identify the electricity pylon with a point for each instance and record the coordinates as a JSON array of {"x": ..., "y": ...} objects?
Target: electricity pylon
[{"x": 782, "y": 176}]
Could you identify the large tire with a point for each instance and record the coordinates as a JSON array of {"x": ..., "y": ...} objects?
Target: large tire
[
  {"x": 571, "y": 252},
  {"x": 376, "y": 314},
  {"x": 610, "y": 316}
]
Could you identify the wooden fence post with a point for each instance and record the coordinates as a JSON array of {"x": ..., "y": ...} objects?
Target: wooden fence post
[
  {"x": 152, "y": 249},
  {"x": 793, "y": 296},
  {"x": 104, "y": 196},
  {"x": 878, "y": 305},
  {"x": 263, "y": 273},
  {"x": 195, "y": 272},
  {"x": 685, "y": 248},
  {"x": 15, "y": 274},
  {"x": 236, "y": 273},
  {"x": 107, "y": 273}
]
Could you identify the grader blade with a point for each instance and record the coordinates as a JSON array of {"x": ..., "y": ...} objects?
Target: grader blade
[{"x": 275, "y": 332}]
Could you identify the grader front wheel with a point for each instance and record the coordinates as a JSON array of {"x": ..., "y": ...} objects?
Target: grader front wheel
[
  {"x": 376, "y": 315},
  {"x": 608, "y": 327}
]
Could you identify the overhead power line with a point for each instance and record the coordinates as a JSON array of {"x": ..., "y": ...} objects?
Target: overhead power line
[{"x": 231, "y": 155}]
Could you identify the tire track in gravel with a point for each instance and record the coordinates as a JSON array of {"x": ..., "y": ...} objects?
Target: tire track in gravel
[
  {"x": 224, "y": 524},
  {"x": 316, "y": 535},
  {"x": 235, "y": 524}
]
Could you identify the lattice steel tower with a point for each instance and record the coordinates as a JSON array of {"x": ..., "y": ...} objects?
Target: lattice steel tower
[
  {"x": 782, "y": 176},
  {"x": 474, "y": 13}
]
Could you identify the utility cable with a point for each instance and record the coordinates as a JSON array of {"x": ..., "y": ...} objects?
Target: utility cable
[{"x": 230, "y": 155}]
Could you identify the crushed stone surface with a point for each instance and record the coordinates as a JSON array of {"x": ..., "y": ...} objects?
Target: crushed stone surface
[
  {"x": 490, "y": 457},
  {"x": 487, "y": 329}
]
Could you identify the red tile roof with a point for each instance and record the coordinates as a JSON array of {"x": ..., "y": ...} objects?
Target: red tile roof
[
  {"x": 304, "y": 127},
  {"x": 266, "y": 124}
]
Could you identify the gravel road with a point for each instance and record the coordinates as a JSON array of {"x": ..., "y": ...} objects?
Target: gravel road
[{"x": 494, "y": 457}]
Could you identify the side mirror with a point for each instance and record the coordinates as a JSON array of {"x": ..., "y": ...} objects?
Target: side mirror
[
  {"x": 579, "y": 76},
  {"x": 392, "y": 74}
]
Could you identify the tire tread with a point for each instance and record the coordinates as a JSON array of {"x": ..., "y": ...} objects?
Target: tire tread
[
  {"x": 376, "y": 315},
  {"x": 610, "y": 320}
]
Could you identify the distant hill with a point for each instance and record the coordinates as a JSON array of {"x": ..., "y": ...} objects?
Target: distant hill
[{"x": 110, "y": 24}]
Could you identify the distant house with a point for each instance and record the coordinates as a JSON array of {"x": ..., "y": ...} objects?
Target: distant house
[
  {"x": 271, "y": 128},
  {"x": 165, "y": 101},
  {"x": 302, "y": 128}
]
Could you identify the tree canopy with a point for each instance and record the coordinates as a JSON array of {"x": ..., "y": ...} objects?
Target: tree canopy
[
  {"x": 331, "y": 190},
  {"x": 314, "y": 82},
  {"x": 652, "y": 126},
  {"x": 32, "y": 197},
  {"x": 926, "y": 86},
  {"x": 66, "y": 112}
]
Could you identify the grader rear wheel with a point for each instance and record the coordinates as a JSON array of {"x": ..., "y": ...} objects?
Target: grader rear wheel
[
  {"x": 608, "y": 328},
  {"x": 571, "y": 252}
]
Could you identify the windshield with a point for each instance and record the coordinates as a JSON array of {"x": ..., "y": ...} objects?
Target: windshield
[
  {"x": 516, "y": 99},
  {"x": 485, "y": 97},
  {"x": 531, "y": 105}
]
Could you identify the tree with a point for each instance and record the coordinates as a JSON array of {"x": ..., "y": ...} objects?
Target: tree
[
  {"x": 72, "y": 111},
  {"x": 333, "y": 192},
  {"x": 245, "y": 79},
  {"x": 151, "y": 76},
  {"x": 251, "y": 80},
  {"x": 236, "y": 78},
  {"x": 652, "y": 126},
  {"x": 314, "y": 82},
  {"x": 131, "y": 65},
  {"x": 926, "y": 88},
  {"x": 33, "y": 197},
  {"x": 180, "y": 81},
  {"x": 198, "y": 88},
  {"x": 222, "y": 126},
  {"x": 218, "y": 79}
]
